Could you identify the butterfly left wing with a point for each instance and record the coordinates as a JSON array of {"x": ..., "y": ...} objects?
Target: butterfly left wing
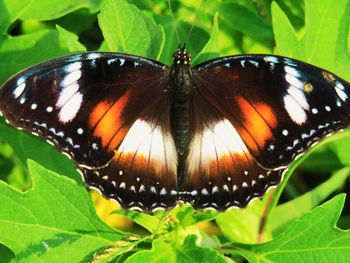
[
  {"x": 268, "y": 110},
  {"x": 101, "y": 110}
]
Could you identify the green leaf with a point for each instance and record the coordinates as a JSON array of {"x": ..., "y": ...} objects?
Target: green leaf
[
  {"x": 55, "y": 221},
  {"x": 295, "y": 164},
  {"x": 151, "y": 223},
  {"x": 243, "y": 231},
  {"x": 6, "y": 255},
  {"x": 324, "y": 40},
  {"x": 197, "y": 40},
  {"x": 17, "y": 53},
  {"x": 188, "y": 252},
  {"x": 313, "y": 238},
  {"x": 341, "y": 149},
  {"x": 126, "y": 29},
  {"x": 52, "y": 9},
  {"x": 161, "y": 252},
  {"x": 244, "y": 20},
  {"x": 211, "y": 49},
  {"x": 26, "y": 146},
  {"x": 188, "y": 216},
  {"x": 70, "y": 40},
  {"x": 10, "y": 11},
  {"x": 323, "y": 157},
  {"x": 286, "y": 212}
]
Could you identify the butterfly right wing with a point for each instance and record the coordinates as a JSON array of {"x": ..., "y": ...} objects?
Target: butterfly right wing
[{"x": 260, "y": 113}]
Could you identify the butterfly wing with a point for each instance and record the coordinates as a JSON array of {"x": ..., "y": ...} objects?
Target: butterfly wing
[
  {"x": 268, "y": 110},
  {"x": 99, "y": 108}
]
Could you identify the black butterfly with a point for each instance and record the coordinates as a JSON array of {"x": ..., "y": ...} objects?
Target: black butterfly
[{"x": 147, "y": 135}]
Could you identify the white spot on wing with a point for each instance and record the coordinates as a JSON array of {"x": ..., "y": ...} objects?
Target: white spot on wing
[
  {"x": 142, "y": 188},
  {"x": 19, "y": 90},
  {"x": 221, "y": 139},
  {"x": 255, "y": 63},
  {"x": 66, "y": 93},
  {"x": 339, "y": 88},
  {"x": 92, "y": 56},
  {"x": 33, "y": 106},
  {"x": 295, "y": 111},
  {"x": 292, "y": 71},
  {"x": 163, "y": 191},
  {"x": 271, "y": 59},
  {"x": 71, "y": 78},
  {"x": 299, "y": 96},
  {"x": 148, "y": 140},
  {"x": 111, "y": 61},
  {"x": 70, "y": 108},
  {"x": 204, "y": 191},
  {"x": 73, "y": 66},
  {"x": 295, "y": 82}
]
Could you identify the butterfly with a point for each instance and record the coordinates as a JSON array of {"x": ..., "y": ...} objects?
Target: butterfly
[{"x": 216, "y": 135}]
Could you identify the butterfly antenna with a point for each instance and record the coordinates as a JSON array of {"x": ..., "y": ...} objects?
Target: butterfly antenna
[
  {"x": 194, "y": 20},
  {"x": 174, "y": 24}
]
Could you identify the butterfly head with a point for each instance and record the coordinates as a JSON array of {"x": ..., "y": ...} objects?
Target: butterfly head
[{"x": 182, "y": 56}]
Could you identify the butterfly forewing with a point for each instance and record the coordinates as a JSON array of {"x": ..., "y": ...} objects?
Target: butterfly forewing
[{"x": 279, "y": 106}]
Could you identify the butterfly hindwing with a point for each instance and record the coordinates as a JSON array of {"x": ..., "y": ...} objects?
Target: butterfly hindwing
[
  {"x": 221, "y": 170},
  {"x": 142, "y": 173}
]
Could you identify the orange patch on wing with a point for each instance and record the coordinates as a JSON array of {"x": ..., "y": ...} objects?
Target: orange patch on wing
[
  {"x": 267, "y": 113},
  {"x": 106, "y": 120},
  {"x": 138, "y": 162},
  {"x": 226, "y": 164},
  {"x": 142, "y": 165},
  {"x": 256, "y": 122},
  {"x": 117, "y": 138}
]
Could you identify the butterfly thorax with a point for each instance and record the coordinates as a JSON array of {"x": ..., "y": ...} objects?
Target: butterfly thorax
[{"x": 181, "y": 91}]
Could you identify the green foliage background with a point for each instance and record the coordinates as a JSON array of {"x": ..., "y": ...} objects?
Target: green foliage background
[{"x": 46, "y": 214}]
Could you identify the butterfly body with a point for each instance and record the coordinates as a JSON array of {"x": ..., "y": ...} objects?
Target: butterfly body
[
  {"x": 215, "y": 135},
  {"x": 181, "y": 92}
]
